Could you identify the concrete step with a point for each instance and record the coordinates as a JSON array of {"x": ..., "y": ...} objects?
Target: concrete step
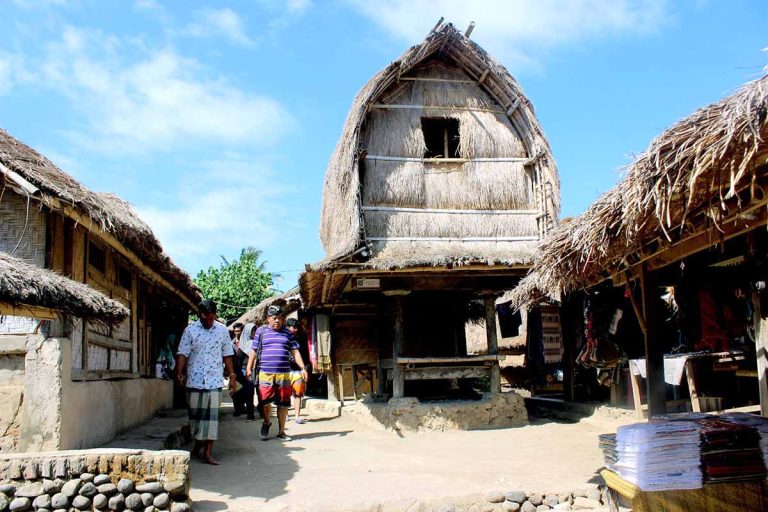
[{"x": 167, "y": 430}]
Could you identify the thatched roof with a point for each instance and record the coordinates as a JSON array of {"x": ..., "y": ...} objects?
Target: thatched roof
[
  {"x": 290, "y": 302},
  {"x": 57, "y": 190},
  {"x": 23, "y": 284},
  {"x": 697, "y": 175},
  {"x": 505, "y": 127}
]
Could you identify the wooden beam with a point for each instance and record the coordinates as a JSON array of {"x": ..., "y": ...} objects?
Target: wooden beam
[
  {"x": 521, "y": 159},
  {"x": 446, "y": 372},
  {"x": 398, "y": 380},
  {"x": 27, "y": 311},
  {"x": 493, "y": 342},
  {"x": 654, "y": 355},
  {"x": 393, "y": 106},
  {"x": 396, "y": 209},
  {"x": 635, "y": 306},
  {"x": 483, "y": 76},
  {"x": 760, "y": 309},
  {"x": 447, "y": 360}
]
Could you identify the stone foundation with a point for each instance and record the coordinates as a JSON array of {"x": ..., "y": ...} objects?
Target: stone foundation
[
  {"x": 493, "y": 410},
  {"x": 102, "y": 480}
]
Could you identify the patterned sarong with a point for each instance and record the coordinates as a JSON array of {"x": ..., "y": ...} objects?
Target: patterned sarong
[
  {"x": 275, "y": 388},
  {"x": 204, "y": 413}
]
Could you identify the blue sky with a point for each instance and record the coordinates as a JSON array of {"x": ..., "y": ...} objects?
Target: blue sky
[{"x": 217, "y": 119}]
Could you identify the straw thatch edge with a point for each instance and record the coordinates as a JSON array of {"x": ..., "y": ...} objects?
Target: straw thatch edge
[
  {"x": 24, "y": 284},
  {"x": 290, "y": 301},
  {"x": 688, "y": 172}
]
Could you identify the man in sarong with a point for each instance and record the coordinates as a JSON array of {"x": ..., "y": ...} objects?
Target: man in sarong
[{"x": 204, "y": 345}]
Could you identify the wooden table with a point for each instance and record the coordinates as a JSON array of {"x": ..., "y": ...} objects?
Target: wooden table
[{"x": 710, "y": 498}]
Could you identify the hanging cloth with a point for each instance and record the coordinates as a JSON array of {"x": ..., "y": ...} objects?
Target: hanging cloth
[{"x": 323, "y": 343}]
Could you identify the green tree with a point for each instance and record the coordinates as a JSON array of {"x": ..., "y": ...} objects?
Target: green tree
[{"x": 242, "y": 282}]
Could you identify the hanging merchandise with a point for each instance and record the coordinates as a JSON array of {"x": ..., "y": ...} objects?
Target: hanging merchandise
[
  {"x": 614, "y": 327},
  {"x": 551, "y": 336},
  {"x": 323, "y": 341}
]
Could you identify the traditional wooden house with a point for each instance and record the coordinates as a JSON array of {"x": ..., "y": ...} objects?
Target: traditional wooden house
[
  {"x": 438, "y": 192},
  {"x": 680, "y": 243},
  {"x": 89, "y": 300}
]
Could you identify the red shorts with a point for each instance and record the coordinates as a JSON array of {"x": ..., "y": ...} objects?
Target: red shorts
[{"x": 275, "y": 388}]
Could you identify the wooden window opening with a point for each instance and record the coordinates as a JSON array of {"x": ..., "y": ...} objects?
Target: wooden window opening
[{"x": 441, "y": 137}]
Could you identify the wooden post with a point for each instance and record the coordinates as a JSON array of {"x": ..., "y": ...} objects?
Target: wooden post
[
  {"x": 398, "y": 378},
  {"x": 493, "y": 342},
  {"x": 568, "y": 325},
  {"x": 331, "y": 378},
  {"x": 761, "y": 349},
  {"x": 654, "y": 356}
]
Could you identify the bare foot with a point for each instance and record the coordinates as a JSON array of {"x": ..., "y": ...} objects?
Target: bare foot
[{"x": 208, "y": 459}]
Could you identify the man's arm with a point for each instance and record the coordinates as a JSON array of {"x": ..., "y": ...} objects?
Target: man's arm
[
  {"x": 230, "y": 373},
  {"x": 297, "y": 357},
  {"x": 251, "y": 363},
  {"x": 181, "y": 364}
]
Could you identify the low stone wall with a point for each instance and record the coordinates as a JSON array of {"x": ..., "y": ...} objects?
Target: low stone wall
[
  {"x": 493, "y": 410},
  {"x": 100, "y": 480}
]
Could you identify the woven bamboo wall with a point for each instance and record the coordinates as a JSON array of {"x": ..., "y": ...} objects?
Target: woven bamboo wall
[{"x": 17, "y": 223}]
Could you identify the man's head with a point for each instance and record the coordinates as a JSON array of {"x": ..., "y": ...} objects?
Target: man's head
[
  {"x": 275, "y": 317},
  {"x": 237, "y": 329},
  {"x": 206, "y": 311},
  {"x": 292, "y": 325}
]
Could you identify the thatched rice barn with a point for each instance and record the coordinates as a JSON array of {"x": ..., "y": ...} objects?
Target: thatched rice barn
[
  {"x": 89, "y": 300},
  {"x": 438, "y": 192},
  {"x": 691, "y": 210}
]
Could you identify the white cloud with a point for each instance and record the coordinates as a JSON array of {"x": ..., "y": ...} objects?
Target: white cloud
[
  {"x": 155, "y": 102},
  {"x": 220, "y": 22},
  {"x": 225, "y": 206},
  {"x": 517, "y": 30}
]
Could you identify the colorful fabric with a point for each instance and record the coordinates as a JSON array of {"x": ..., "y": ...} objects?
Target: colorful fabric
[
  {"x": 275, "y": 388},
  {"x": 297, "y": 383},
  {"x": 203, "y": 412},
  {"x": 276, "y": 351},
  {"x": 323, "y": 341},
  {"x": 205, "y": 350}
]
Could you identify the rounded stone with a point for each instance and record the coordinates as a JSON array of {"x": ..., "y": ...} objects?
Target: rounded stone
[
  {"x": 125, "y": 486},
  {"x": 61, "y": 510},
  {"x": 176, "y": 487},
  {"x": 4, "y": 502},
  {"x": 149, "y": 509},
  {"x": 30, "y": 490},
  {"x": 516, "y": 496},
  {"x": 107, "y": 489},
  {"x": 100, "y": 501},
  {"x": 88, "y": 490},
  {"x": 566, "y": 505},
  {"x": 52, "y": 486},
  {"x": 81, "y": 503},
  {"x": 528, "y": 507},
  {"x": 153, "y": 487},
  {"x": 43, "y": 510},
  {"x": 70, "y": 488},
  {"x": 494, "y": 497},
  {"x": 42, "y": 501},
  {"x": 161, "y": 500},
  {"x": 147, "y": 498},
  {"x": 510, "y": 506},
  {"x": 536, "y": 499},
  {"x": 20, "y": 504},
  {"x": 551, "y": 501},
  {"x": 594, "y": 494},
  {"x": 87, "y": 477},
  {"x": 134, "y": 502},
  {"x": 564, "y": 498},
  {"x": 101, "y": 479},
  {"x": 59, "y": 500},
  {"x": 8, "y": 489},
  {"x": 180, "y": 507},
  {"x": 117, "y": 502},
  {"x": 542, "y": 508}
]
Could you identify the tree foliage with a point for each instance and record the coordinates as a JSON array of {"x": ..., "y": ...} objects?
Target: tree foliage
[{"x": 242, "y": 282}]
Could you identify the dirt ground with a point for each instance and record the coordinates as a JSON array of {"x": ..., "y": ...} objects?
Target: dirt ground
[{"x": 340, "y": 464}]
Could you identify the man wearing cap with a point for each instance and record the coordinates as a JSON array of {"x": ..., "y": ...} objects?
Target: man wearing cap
[
  {"x": 271, "y": 350},
  {"x": 203, "y": 346}
]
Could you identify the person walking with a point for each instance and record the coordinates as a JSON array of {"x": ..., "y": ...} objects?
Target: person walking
[
  {"x": 204, "y": 346},
  {"x": 298, "y": 384},
  {"x": 270, "y": 358}
]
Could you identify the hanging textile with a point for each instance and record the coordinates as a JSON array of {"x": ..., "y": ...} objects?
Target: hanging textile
[
  {"x": 550, "y": 334},
  {"x": 509, "y": 320},
  {"x": 323, "y": 340}
]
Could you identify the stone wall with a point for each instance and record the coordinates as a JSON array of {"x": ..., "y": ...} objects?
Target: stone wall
[
  {"x": 493, "y": 410},
  {"x": 113, "y": 480},
  {"x": 12, "y": 352}
]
